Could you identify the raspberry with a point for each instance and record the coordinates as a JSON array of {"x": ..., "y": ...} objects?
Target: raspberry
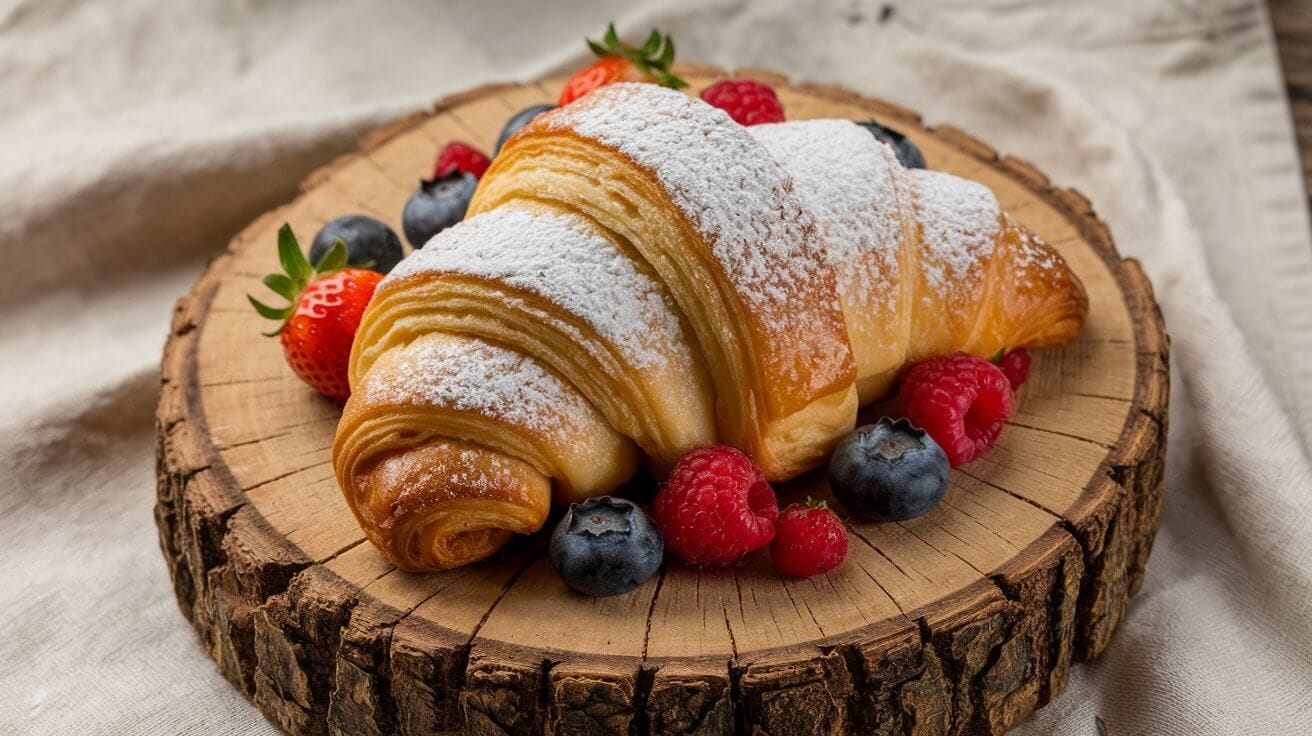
[
  {"x": 961, "y": 400},
  {"x": 747, "y": 102},
  {"x": 457, "y": 156},
  {"x": 808, "y": 540},
  {"x": 716, "y": 507},
  {"x": 1015, "y": 366}
]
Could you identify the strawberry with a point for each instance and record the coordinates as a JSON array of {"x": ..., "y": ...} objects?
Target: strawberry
[
  {"x": 325, "y": 303},
  {"x": 619, "y": 62}
]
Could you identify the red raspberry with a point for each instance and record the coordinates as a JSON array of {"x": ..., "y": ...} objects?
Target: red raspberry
[
  {"x": 716, "y": 507},
  {"x": 457, "y": 156},
  {"x": 1015, "y": 366},
  {"x": 808, "y": 540},
  {"x": 747, "y": 102},
  {"x": 961, "y": 400}
]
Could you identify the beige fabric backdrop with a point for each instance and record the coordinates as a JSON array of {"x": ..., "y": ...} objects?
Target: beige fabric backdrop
[{"x": 139, "y": 135}]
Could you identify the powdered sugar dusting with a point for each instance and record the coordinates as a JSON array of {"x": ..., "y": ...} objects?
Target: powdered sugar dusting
[
  {"x": 728, "y": 186},
  {"x": 463, "y": 466},
  {"x": 959, "y": 222},
  {"x": 1033, "y": 259},
  {"x": 845, "y": 175},
  {"x": 469, "y": 375},
  {"x": 561, "y": 259}
]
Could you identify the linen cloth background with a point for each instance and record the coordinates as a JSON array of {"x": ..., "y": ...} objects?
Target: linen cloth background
[{"x": 139, "y": 135}]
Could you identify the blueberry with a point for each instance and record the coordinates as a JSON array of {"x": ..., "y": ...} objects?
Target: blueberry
[
  {"x": 519, "y": 120},
  {"x": 606, "y": 546},
  {"x": 436, "y": 205},
  {"x": 369, "y": 243},
  {"x": 889, "y": 471},
  {"x": 906, "y": 151}
]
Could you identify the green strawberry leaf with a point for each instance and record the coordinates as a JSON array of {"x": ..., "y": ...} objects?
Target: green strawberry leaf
[
  {"x": 297, "y": 272},
  {"x": 653, "y": 43},
  {"x": 667, "y": 55},
  {"x": 333, "y": 260},
  {"x": 267, "y": 311},
  {"x": 998, "y": 356},
  {"x": 653, "y": 58},
  {"x": 281, "y": 285},
  {"x": 274, "y": 313},
  {"x": 291, "y": 257}
]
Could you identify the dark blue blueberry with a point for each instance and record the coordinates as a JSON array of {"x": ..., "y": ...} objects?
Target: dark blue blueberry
[
  {"x": 906, "y": 151},
  {"x": 437, "y": 205},
  {"x": 369, "y": 243},
  {"x": 606, "y": 546},
  {"x": 520, "y": 119},
  {"x": 889, "y": 471}
]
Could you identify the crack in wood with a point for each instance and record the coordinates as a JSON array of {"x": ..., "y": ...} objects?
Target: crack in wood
[
  {"x": 1017, "y": 423},
  {"x": 651, "y": 610}
]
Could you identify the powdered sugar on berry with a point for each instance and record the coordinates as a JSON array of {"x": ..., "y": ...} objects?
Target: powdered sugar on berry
[
  {"x": 845, "y": 175},
  {"x": 959, "y": 220},
  {"x": 469, "y": 375},
  {"x": 741, "y": 202},
  {"x": 563, "y": 260}
]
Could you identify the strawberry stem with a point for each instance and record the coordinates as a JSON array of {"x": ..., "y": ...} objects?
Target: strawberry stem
[
  {"x": 653, "y": 58},
  {"x": 297, "y": 274}
]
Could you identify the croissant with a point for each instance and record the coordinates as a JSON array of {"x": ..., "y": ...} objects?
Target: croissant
[{"x": 637, "y": 276}]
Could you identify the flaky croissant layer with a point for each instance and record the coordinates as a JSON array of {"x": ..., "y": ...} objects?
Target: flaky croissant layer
[{"x": 639, "y": 275}]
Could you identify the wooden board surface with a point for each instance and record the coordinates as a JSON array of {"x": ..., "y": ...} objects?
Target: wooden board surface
[{"x": 961, "y": 621}]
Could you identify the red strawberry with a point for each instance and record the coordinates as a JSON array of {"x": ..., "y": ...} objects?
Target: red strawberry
[
  {"x": 457, "y": 156},
  {"x": 716, "y": 508},
  {"x": 748, "y": 102},
  {"x": 619, "y": 62},
  {"x": 808, "y": 540},
  {"x": 325, "y": 303}
]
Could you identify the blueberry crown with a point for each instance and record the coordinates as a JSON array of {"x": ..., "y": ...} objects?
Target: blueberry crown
[{"x": 902, "y": 424}]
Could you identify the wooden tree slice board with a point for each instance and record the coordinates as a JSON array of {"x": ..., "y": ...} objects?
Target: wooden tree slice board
[{"x": 961, "y": 621}]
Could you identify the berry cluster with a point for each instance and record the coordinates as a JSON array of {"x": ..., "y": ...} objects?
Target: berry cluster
[{"x": 717, "y": 507}]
